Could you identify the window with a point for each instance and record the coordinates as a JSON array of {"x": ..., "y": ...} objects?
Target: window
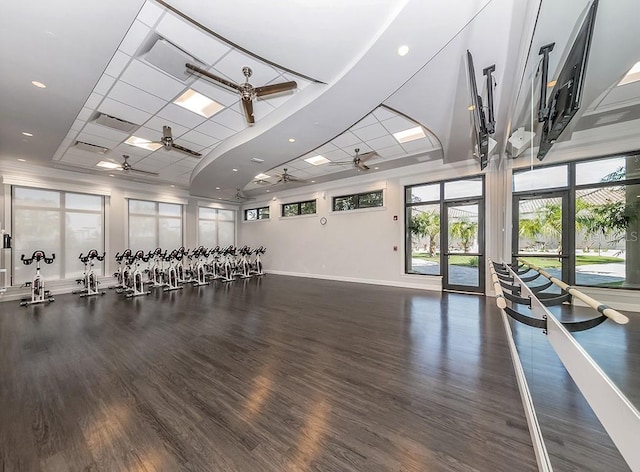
[
  {"x": 359, "y": 200},
  {"x": 256, "y": 214},
  {"x": 63, "y": 223},
  {"x": 299, "y": 208},
  {"x": 599, "y": 232},
  {"x": 154, "y": 224},
  {"x": 216, "y": 227}
]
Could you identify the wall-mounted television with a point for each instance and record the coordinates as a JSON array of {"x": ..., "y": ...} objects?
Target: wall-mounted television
[
  {"x": 481, "y": 128},
  {"x": 566, "y": 95}
]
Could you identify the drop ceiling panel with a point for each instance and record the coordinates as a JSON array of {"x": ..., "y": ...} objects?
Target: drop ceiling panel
[
  {"x": 123, "y": 111},
  {"x": 156, "y": 123},
  {"x": 398, "y": 123},
  {"x": 215, "y": 92},
  {"x": 93, "y": 100},
  {"x": 180, "y": 115},
  {"x": 136, "y": 34},
  {"x": 191, "y": 40},
  {"x": 346, "y": 139},
  {"x": 391, "y": 151},
  {"x": 150, "y": 134},
  {"x": 97, "y": 140},
  {"x": 117, "y": 64},
  {"x": 105, "y": 132},
  {"x": 131, "y": 150},
  {"x": 422, "y": 144},
  {"x": 104, "y": 84},
  {"x": 200, "y": 139},
  {"x": 366, "y": 121},
  {"x": 383, "y": 113},
  {"x": 382, "y": 142},
  {"x": 231, "y": 119},
  {"x": 150, "y": 13},
  {"x": 125, "y": 93},
  {"x": 261, "y": 108},
  {"x": 215, "y": 130},
  {"x": 370, "y": 132},
  {"x": 231, "y": 65},
  {"x": 337, "y": 155},
  {"x": 84, "y": 114},
  {"x": 147, "y": 78}
]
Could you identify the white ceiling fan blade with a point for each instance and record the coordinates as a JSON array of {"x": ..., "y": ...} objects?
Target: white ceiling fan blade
[{"x": 367, "y": 155}]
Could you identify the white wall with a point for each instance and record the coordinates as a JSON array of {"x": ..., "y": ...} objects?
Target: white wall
[{"x": 355, "y": 245}]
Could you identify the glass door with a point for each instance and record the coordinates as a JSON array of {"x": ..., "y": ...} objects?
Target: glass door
[
  {"x": 463, "y": 231},
  {"x": 539, "y": 236}
]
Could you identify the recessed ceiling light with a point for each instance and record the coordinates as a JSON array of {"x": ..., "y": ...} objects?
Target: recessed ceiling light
[
  {"x": 38, "y": 84},
  {"x": 632, "y": 76},
  {"x": 268, "y": 191},
  {"x": 257, "y": 160},
  {"x": 317, "y": 160},
  {"x": 143, "y": 143},
  {"x": 111, "y": 175},
  {"x": 376, "y": 168},
  {"x": 198, "y": 103},
  {"x": 313, "y": 181},
  {"x": 262, "y": 176},
  {"x": 27, "y": 134},
  {"x": 217, "y": 188},
  {"x": 552, "y": 83},
  {"x": 22, "y": 160},
  {"x": 108, "y": 165},
  {"x": 410, "y": 134},
  {"x": 292, "y": 140},
  {"x": 235, "y": 170},
  {"x": 403, "y": 50},
  {"x": 172, "y": 186}
]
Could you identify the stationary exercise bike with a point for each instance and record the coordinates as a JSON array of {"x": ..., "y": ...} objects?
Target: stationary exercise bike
[
  {"x": 38, "y": 292},
  {"x": 137, "y": 284},
  {"x": 124, "y": 271},
  {"x": 171, "y": 280},
  {"x": 200, "y": 254},
  {"x": 89, "y": 279},
  {"x": 256, "y": 265}
]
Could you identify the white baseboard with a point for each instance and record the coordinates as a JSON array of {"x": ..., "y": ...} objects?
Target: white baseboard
[{"x": 429, "y": 283}]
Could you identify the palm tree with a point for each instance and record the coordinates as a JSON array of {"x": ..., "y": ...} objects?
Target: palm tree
[
  {"x": 426, "y": 224},
  {"x": 465, "y": 231}
]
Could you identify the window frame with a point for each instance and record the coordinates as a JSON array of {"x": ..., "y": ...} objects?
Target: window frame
[
  {"x": 357, "y": 197},
  {"x": 157, "y": 216},
  {"x": 62, "y": 210},
  {"x": 298, "y": 206},
  {"x": 217, "y": 220},
  {"x": 571, "y": 189},
  {"x": 259, "y": 213}
]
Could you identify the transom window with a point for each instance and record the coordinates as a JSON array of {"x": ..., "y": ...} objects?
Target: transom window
[
  {"x": 358, "y": 200},
  {"x": 299, "y": 208},
  {"x": 253, "y": 214}
]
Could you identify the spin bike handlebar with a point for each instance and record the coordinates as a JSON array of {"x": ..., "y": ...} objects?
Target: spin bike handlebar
[
  {"x": 126, "y": 254},
  {"x": 38, "y": 256},
  {"x": 92, "y": 254}
]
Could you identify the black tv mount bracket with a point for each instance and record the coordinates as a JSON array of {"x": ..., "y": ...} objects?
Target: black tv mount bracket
[
  {"x": 543, "y": 109},
  {"x": 490, "y": 122}
]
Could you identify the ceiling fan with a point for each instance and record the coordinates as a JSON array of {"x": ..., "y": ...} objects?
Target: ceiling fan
[
  {"x": 239, "y": 197},
  {"x": 358, "y": 160},
  {"x": 246, "y": 91},
  {"x": 126, "y": 167},
  {"x": 285, "y": 177},
  {"x": 167, "y": 142}
]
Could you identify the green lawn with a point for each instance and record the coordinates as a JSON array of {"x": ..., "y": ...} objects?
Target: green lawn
[
  {"x": 468, "y": 261},
  {"x": 554, "y": 263},
  {"x": 542, "y": 262}
]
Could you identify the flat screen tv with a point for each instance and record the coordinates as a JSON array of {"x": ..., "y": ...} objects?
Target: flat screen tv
[
  {"x": 566, "y": 95},
  {"x": 480, "y": 136}
]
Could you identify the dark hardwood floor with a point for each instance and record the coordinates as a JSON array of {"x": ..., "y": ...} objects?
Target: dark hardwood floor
[
  {"x": 269, "y": 375},
  {"x": 575, "y": 438}
]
